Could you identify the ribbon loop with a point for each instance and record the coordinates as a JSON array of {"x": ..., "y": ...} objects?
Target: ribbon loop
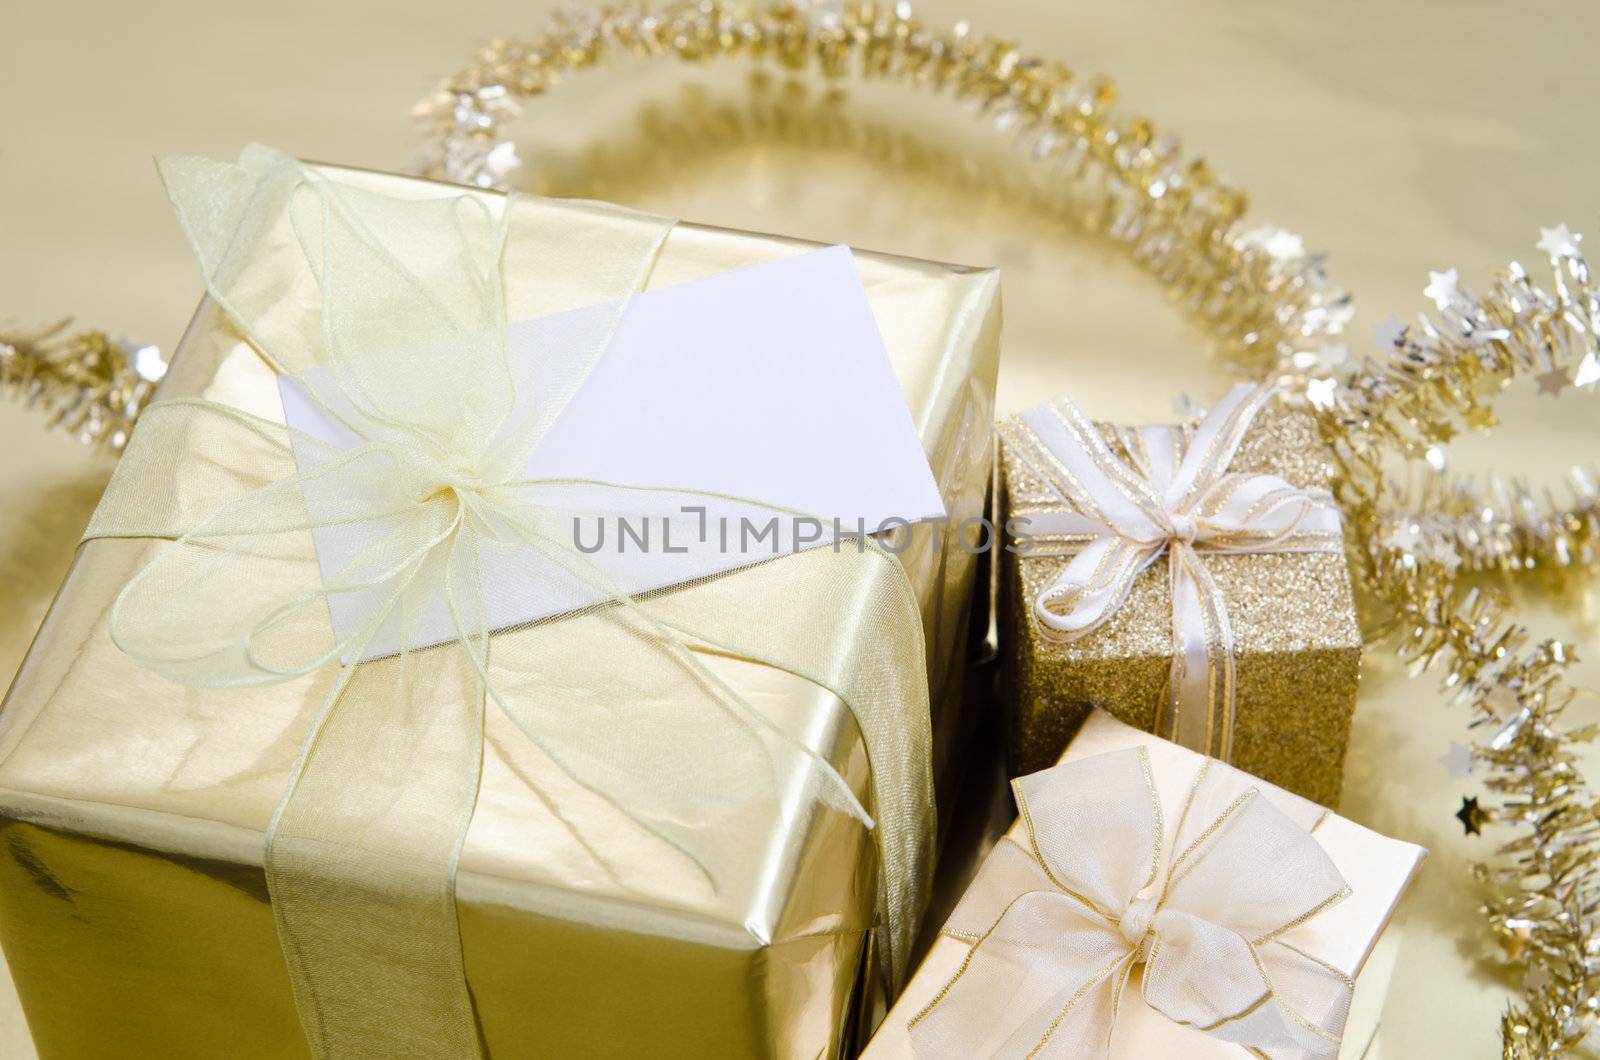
[
  {"x": 1058, "y": 925},
  {"x": 1175, "y": 495}
]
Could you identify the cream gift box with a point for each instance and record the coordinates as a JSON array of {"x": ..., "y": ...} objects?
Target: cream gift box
[
  {"x": 1354, "y": 937},
  {"x": 133, "y": 906}
]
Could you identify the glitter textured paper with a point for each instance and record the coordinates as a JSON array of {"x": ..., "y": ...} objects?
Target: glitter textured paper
[{"x": 1296, "y": 642}]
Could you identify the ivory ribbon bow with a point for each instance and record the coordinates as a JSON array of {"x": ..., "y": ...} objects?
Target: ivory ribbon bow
[
  {"x": 391, "y": 314},
  {"x": 1178, "y": 498},
  {"x": 1059, "y": 925}
]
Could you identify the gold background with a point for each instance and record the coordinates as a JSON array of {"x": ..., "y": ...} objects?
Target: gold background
[{"x": 1398, "y": 138}]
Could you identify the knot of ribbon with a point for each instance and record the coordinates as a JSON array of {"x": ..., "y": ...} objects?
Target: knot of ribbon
[
  {"x": 1059, "y": 924},
  {"x": 1177, "y": 496}
]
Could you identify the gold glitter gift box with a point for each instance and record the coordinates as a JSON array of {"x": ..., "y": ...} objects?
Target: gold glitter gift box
[
  {"x": 134, "y": 909},
  {"x": 1296, "y": 643}
]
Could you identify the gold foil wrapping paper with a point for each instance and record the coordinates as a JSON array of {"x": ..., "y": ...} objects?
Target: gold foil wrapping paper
[
  {"x": 133, "y": 909},
  {"x": 1296, "y": 643}
]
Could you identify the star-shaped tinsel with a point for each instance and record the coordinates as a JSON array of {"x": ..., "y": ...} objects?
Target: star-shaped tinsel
[
  {"x": 1502, "y": 702},
  {"x": 1458, "y": 760},
  {"x": 1441, "y": 288},
  {"x": 1559, "y": 242},
  {"x": 1327, "y": 357},
  {"x": 1405, "y": 537},
  {"x": 1472, "y": 816},
  {"x": 1588, "y": 371},
  {"x": 1321, "y": 392},
  {"x": 1553, "y": 381},
  {"x": 1388, "y": 333},
  {"x": 1284, "y": 245},
  {"x": 1538, "y": 978}
]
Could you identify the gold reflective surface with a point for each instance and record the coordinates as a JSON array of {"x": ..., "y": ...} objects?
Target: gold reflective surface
[{"x": 1397, "y": 138}]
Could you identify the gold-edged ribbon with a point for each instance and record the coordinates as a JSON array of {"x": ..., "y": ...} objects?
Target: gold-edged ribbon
[
  {"x": 1179, "y": 498},
  {"x": 1058, "y": 925},
  {"x": 390, "y": 313}
]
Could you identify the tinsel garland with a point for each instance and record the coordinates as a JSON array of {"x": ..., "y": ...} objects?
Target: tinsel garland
[
  {"x": 89, "y": 383},
  {"x": 1268, "y": 303},
  {"x": 1275, "y": 316},
  {"x": 1544, "y": 884}
]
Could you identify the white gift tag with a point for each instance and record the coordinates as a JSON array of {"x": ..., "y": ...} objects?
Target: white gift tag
[{"x": 769, "y": 382}]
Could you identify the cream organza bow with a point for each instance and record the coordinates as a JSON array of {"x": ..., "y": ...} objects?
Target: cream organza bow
[
  {"x": 1059, "y": 925},
  {"x": 1178, "y": 498},
  {"x": 370, "y": 575}
]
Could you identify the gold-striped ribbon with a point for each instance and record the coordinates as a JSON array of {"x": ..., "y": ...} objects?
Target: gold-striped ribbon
[{"x": 1059, "y": 922}]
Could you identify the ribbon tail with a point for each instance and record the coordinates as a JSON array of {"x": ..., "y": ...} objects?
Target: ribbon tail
[
  {"x": 1199, "y": 712},
  {"x": 362, "y": 874},
  {"x": 1040, "y": 982},
  {"x": 882, "y": 683}
]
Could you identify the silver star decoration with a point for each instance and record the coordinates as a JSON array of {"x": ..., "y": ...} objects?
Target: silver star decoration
[
  {"x": 1320, "y": 392},
  {"x": 1406, "y": 537},
  {"x": 1538, "y": 978},
  {"x": 1559, "y": 242},
  {"x": 501, "y": 161},
  {"x": 1458, "y": 760},
  {"x": 1446, "y": 556},
  {"x": 1588, "y": 371},
  {"x": 147, "y": 362},
  {"x": 1441, "y": 288},
  {"x": 1284, "y": 245},
  {"x": 1502, "y": 702},
  {"x": 1388, "y": 333},
  {"x": 1328, "y": 357},
  {"x": 1553, "y": 381}
]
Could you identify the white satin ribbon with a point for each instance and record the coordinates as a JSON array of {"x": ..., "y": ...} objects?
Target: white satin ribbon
[
  {"x": 1178, "y": 498},
  {"x": 1058, "y": 925}
]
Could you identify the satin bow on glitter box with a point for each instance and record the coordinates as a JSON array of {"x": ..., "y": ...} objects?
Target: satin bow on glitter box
[
  {"x": 1175, "y": 496},
  {"x": 1153, "y": 902}
]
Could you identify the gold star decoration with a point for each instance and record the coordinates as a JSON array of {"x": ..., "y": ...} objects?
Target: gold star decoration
[
  {"x": 1515, "y": 943},
  {"x": 1472, "y": 816}
]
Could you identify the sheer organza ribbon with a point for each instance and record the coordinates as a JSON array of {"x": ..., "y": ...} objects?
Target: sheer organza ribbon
[
  {"x": 1059, "y": 925},
  {"x": 391, "y": 315},
  {"x": 1178, "y": 498}
]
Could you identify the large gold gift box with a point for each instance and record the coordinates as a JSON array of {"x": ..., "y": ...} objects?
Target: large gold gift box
[
  {"x": 133, "y": 906},
  {"x": 1296, "y": 644}
]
